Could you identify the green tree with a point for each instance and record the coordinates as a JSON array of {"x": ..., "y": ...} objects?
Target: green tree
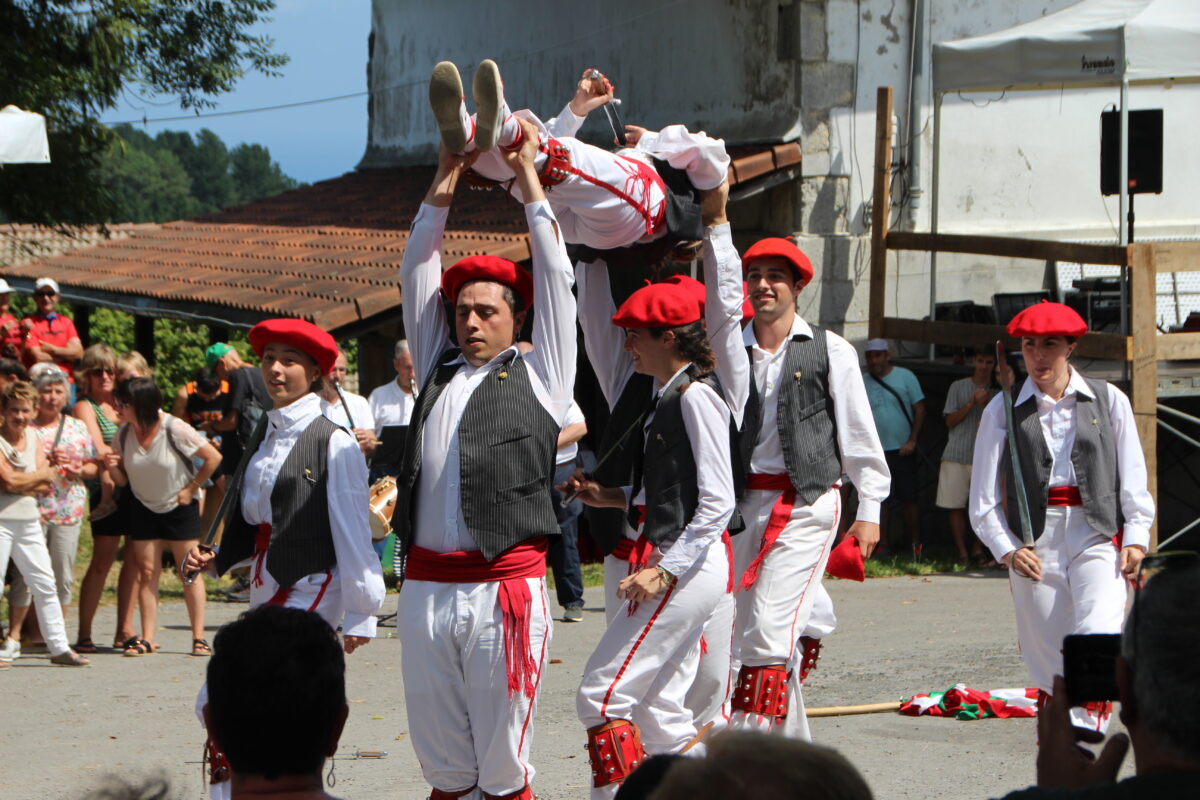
[
  {"x": 255, "y": 175},
  {"x": 147, "y": 185},
  {"x": 207, "y": 163},
  {"x": 71, "y": 61}
]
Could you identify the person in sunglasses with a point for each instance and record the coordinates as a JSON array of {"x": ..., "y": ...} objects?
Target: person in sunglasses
[
  {"x": 47, "y": 334},
  {"x": 1090, "y": 511}
]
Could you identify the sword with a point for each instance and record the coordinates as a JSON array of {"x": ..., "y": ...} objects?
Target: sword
[
  {"x": 610, "y": 111},
  {"x": 208, "y": 544},
  {"x": 1006, "y": 382},
  {"x": 337, "y": 385}
]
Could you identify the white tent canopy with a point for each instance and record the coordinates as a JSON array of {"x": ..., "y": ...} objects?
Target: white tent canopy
[
  {"x": 1092, "y": 43},
  {"x": 22, "y": 137}
]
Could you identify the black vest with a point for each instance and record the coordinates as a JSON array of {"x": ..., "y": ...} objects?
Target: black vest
[
  {"x": 507, "y": 447},
  {"x": 1094, "y": 457},
  {"x": 606, "y": 525},
  {"x": 301, "y": 536},
  {"x": 672, "y": 493},
  {"x": 804, "y": 416}
]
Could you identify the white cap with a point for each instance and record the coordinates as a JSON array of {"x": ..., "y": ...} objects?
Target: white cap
[
  {"x": 4, "y": 287},
  {"x": 46, "y": 283},
  {"x": 877, "y": 344}
]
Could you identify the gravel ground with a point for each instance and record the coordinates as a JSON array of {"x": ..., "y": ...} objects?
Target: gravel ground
[{"x": 64, "y": 729}]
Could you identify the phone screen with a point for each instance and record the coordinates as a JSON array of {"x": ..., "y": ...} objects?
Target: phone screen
[{"x": 1090, "y": 666}]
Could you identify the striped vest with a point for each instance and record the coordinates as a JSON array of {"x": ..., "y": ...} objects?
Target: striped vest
[
  {"x": 804, "y": 416},
  {"x": 507, "y": 447},
  {"x": 606, "y": 525},
  {"x": 1094, "y": 457},
  {"x": 301, "y": 536}
]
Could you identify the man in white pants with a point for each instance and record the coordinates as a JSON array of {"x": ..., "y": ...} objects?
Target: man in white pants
[
  {"x": 807, "y": 422},
  {"x": 602, "y": 200},
  {"x": 474, "y": 512}
]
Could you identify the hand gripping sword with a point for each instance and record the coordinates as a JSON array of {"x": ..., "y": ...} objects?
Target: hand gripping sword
[
  {"x": 1006, "y": 383},
  {"x": 610, "y": 111}
]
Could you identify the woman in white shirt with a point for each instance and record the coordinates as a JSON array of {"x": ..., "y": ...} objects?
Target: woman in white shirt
[
  {"x": 1089, "y": 509},
  {"x": 24, "y": 473},
  {"x": 153, "y": 455}
]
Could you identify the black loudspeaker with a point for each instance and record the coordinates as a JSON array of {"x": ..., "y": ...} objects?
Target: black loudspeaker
[{"x": 1145, "y": 152}]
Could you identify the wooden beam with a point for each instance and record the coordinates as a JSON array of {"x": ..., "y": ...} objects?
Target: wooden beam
[
  {"x": 1143, "y": 310},
  {"x": 880, "y": 209},
  {"x": 1111, "y": 346},
  {"x": 1009, "y": 247},
  {"x": 1178, "y": 346},
  {"x": 1174, "y": 256}
]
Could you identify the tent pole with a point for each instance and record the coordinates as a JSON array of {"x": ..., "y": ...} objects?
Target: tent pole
[
  {"x": 1123, "y": 208},
  {"x": 933, "y": 208}
]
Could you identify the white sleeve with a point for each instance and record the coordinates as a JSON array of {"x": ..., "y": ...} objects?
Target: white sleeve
[
  {"x": 421, "y": 284},
  {"x": 555, "y": 345},
  {"x": 858, "y": 440},
  {"x": 985, "y": 504},
  {"x": 364, "y": 418},
  {"x": 376, "y": 405},
  {"x": 723, "y": 317},
  {"x": 359, "y": 573},
  {"x": 603, "y": 341},
  {"x": 574, "y": 415},
  {"x": 706, "y": 419},
  {"x": 1137, "y": 506},
  {"x": 702, "y": 157},
  {"x": 565, "y": 124}
]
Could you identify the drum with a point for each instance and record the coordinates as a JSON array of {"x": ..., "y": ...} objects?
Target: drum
[{"x": 381, "y": 504}]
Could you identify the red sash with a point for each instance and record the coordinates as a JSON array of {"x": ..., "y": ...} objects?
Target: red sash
[
  {"x": 511, "y": 568},
  {"x": 1064, "y": 496},
  {"x": 780, "y": 514}
]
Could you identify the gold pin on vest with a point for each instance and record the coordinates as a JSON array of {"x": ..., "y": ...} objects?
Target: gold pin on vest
[
  {"x": 797, "y": 375},
  {"x": 502, "y": 375}
]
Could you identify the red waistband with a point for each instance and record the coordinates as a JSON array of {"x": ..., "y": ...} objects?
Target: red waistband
[
  {"x": 634, "y": 551},
  {"x": 263, "y": 537},
  {"x": 768, "y": 483},
  {"x": 524, "y": 560},
  {"x": 1064, "y": 496}
]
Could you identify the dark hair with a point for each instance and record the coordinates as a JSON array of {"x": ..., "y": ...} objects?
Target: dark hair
[
  {"x": 143, "y": 396},
  {"x": 10, "y": 366},
  {"x": 276, "y": 688},
  {"x": 692, "y": 342},
  {"x": 206, "y": 381},
  {"x": 642, "y": 782},
  {"x": 988, "y": 351}
]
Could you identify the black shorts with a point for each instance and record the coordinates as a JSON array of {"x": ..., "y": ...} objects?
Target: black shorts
[
  {"x": 180, "y": 524},
  {"x": 904, "y": 476},
  {"x": 116, "y": 523}
]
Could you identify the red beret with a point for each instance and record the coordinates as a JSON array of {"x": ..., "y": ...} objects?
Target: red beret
[
  {"x": 297, "y": 333},
  {"x": 694, "y": 287},
  {"x": 488, "y": 268},
  {"x": 846, "y": 561},
  {"x": 1047, "y": 319},
  {"x": 782, "y": 248},
  {"x": 658, "y": 305}
]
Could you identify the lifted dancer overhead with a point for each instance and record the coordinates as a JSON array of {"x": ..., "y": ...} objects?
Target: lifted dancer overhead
[
  {"x": 602, "y": 200},
  {"x": 474, "y": 510}
]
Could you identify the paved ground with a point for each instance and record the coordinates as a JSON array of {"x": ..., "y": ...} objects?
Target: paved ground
[{"x": 63, "y": 729}]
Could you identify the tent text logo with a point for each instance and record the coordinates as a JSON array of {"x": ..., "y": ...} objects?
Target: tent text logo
[{"x": 1106, "y": 65}]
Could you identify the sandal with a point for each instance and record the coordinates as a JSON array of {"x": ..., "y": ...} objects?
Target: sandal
[
  {"x": 133, "y": 646},
  {"x": 70, "y": 659},
  {"x": 201, "y": 647},
  {"x": 86, "y": 646}
]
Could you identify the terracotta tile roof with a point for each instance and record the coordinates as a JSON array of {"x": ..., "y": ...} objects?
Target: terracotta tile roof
[{"x": 329, "y": 252}]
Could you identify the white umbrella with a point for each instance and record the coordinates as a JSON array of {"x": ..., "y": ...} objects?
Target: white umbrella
[{"x": 23, "y": 137}]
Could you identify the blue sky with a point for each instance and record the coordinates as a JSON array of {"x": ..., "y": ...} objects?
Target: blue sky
[{"x": 327, "y": 42}]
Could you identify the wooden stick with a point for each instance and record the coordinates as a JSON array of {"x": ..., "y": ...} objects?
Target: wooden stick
[{"x": 842, "y": 711}]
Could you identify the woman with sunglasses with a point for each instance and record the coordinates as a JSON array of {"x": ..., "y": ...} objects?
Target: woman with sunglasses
[
  {"x": 1090, "y": 511},
  {"x": 109, "y": 507}
]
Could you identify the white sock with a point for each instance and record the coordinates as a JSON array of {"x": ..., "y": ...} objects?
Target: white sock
[{"x": 510, "y": 131}]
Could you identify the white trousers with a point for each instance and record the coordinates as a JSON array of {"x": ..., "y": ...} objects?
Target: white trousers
[
  {"x": 62, "y": 542},
  {"x": 24, "y": 542},
  {"x": 774, "y": 612},
  {"x": 464, "y": 727},
  {"x": 646, "y": 661},
  {"x": 1081, "y": 591}
]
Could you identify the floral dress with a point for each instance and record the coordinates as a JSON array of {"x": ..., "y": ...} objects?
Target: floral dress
[{"x": 65, "y": 504}]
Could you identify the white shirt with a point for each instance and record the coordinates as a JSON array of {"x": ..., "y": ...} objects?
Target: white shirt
[
  {"x": 357, "y": 570},
  {"x": 567, "y": 455},
  {"x": 551, "y": 364},
  {"x": 706, "y": 420},
  {"x": 858, "y": 441},
  {"x": 390, "y": 405},
  {"x": 1058, "y": 422},
  {"x": 157, "y": 473},
  {"x": 360, "y": 412}
]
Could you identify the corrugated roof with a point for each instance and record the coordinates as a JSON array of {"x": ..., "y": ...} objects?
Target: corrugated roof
[{"x": 329, "y": 252}]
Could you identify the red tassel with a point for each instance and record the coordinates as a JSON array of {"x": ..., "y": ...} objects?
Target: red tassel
[{"x": 516, "y": 603}]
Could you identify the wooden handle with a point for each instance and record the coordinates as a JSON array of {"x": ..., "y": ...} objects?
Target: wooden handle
[{"x": 842, "y": 711}]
